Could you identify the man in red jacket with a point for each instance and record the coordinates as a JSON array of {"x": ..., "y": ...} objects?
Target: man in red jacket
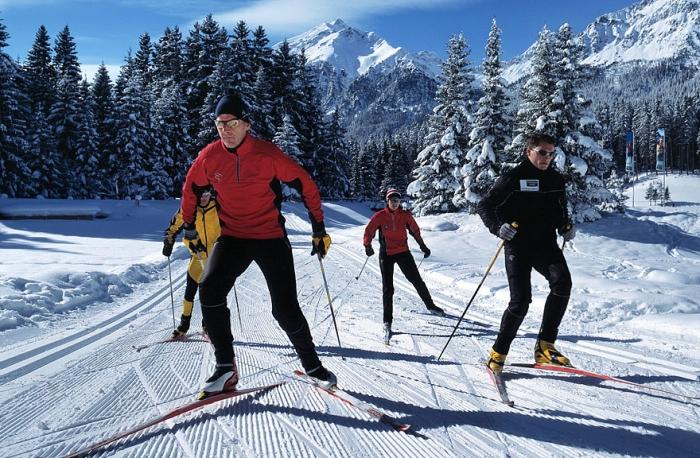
[
  {"x": 392, "y": 223},
  {"x": 246, "y": 174}
]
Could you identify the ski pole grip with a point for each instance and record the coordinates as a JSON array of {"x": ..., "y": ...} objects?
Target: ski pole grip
[{"x": 514, "y": 224}]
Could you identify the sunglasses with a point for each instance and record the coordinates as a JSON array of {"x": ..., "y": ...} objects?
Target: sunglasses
[
  {"x": 230, "y": 124},
  {"x": 544, "y": 153},
  {"x": 394, "y": 200}
]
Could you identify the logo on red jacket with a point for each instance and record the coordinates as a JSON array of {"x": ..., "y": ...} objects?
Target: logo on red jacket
[{"x": 218, "y": 176}]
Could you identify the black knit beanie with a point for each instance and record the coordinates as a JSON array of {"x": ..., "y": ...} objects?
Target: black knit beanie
[{"x": 233, "y": 105}]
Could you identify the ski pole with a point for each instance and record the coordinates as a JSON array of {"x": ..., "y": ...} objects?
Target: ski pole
[
  {"x": 421, "y": 262},
  {"x": 235, "y": 295},
  {"x": 363, "y": 268},
  {"x": 172, "y": 299},
  {"x": 488, "y": 269},
  {"x": 330, "y": 301}
]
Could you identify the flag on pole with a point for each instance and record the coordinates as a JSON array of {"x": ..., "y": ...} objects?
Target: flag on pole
[
  {"x": 629, "y": 153},
  {"x": 661, "y": 150}
]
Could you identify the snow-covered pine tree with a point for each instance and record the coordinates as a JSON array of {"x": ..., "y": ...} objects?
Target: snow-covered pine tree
[
  {"x": 437, "y": 166},
  {"x": 287, "y": 139},
  {"x": 535, "y": 100},
  {"x": 489, "y": 136},
  {"x": 203, "y": 50},
  {"x": 167, "y": 57},
  {"x": 103, "y": 99},
  {"x": 233, "y": 73},
  {"x": 585, "y": 161},
  {"x": 395, "y": 170},
  {"x": 332, "y": 173},
  {"x": 40, "y": 73},
  {"x": 381, "y": 153},
  {"x": 369, "y": 155},
  {"x": 91, "y": 181},
  {"x": 169, "y": 113},
  {"x": 262, "y": 122},
  {"x": 169, "y": 118},
  {"x": 311, "y": 126},
  {"x": 132, "y": 141},
  {"x": 616, "y": 184},
  {"x": 65, "y": 109},
  {"x": 143, "y": 60},
  {"x": 286, "y": 87},
  {"x": 14, "y": 173}
]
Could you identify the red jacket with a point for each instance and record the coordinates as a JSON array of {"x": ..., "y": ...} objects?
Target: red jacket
[
  {"x": 392, "y": 230},
  {"x": 247, "y": 187}
]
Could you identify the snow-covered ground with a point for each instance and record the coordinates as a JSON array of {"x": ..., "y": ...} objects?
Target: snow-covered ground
[{"x": 76, "y": 297}]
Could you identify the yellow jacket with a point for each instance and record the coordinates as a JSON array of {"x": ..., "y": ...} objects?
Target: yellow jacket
[{"x": 206, "y": 222}]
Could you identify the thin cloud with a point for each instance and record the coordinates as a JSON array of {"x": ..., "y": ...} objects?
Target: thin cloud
[{"x": 285, "y": 17}]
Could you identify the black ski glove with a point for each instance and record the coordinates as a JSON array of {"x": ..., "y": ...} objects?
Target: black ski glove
[
  {"x": 369, "y": 251},
  {"x": 168, "y": 245},
  {"x": 192, "y": 238},
  {"x": 425, "y": 250}
]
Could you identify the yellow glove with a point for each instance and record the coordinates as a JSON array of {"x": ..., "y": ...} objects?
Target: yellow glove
[{"x": 321, "y": 243}]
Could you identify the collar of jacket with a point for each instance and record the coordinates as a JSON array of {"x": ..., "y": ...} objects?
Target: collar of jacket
[{"x": 241, "y": 146}]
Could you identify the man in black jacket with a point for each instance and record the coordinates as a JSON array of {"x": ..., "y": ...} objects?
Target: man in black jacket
[{"x": 533, "y": 196}]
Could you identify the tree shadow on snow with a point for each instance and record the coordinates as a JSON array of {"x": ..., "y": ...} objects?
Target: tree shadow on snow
[{"x": 630, "y": 229}]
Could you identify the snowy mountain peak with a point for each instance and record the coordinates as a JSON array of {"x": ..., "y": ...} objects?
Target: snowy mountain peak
[
  {"x": 646, "y": 32},
  {"x": 650, "y": 30},
  {"x": 345, "y": 48}
]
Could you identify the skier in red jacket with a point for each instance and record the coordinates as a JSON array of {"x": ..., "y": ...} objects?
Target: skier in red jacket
[
  {"x": 392, "y": 223},
  {"x": 246, "y": 173}
]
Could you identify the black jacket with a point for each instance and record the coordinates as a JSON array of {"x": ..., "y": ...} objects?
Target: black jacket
[{"x": 534, "y": 198}]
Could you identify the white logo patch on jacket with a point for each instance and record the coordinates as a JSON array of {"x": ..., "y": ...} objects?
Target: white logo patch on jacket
[{"x": 530, "y": 185}]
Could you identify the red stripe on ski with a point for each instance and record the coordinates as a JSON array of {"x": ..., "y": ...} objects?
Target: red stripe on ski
[
  {"x": 500, "y": 384},
  {"x": 358, "y": 404},
  {"x": 585, "y": 373},
  {"x": 170, "y": 415}
]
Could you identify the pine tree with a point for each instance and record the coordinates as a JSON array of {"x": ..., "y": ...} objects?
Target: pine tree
[
  {"x": 203, "y": 50},
  {"x": 535, "y": 100},
  {"x": 287, "y": 139},
  {"x": 66, "y": 108},
  {"x": 103, "y": 107},
  {"x": 40, "y": 72},
  {"x": 143, "y": 60},
  {"x": 132, "y": 143},
  {"x": 489, "y": 136},
  {"x": 437, "y": 166},
  {"x": 167, "y": 57},
  {"x": 332, "y": 173},
  {"x": 262, "y": 122},
  {"x": 395, "y": 173},
  {"x": 584, "y": 161},
  {"x": 14, "y": 173},
  {"x": 172, "y": 141},
  {"x": 90, "y": 181}
]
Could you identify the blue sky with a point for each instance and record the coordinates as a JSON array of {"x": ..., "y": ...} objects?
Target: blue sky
[{"x": 105, "y": 30}]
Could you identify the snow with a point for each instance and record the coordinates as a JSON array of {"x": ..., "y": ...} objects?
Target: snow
[{"x": 76, "y": 296}]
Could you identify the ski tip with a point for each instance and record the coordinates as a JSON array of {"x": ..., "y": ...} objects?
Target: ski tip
[{"x": 402, "y": 427}]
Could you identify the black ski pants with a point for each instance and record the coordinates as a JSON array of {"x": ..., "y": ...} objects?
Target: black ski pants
[
  {"x": 549, "y": 261},
  {"x": 231, "y": 257},
  {"x": 408, "y": 267}
]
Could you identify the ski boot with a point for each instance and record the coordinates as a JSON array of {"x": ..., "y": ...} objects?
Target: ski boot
[
  {"x": 324, "y": 378},
  {"x": 496, "y": 361},
  {"x": 224, "y": 378},
  {"x": 182, "y": 328},
  {"x": 435, "y": 310},
  {"x": 545, "y": 353}
]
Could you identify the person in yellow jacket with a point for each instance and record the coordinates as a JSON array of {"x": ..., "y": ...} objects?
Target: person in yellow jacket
[{"x": 207, "y": 224}]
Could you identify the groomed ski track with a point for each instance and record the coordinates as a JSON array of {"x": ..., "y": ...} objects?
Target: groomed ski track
[{"x": 81, "y": 385}]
